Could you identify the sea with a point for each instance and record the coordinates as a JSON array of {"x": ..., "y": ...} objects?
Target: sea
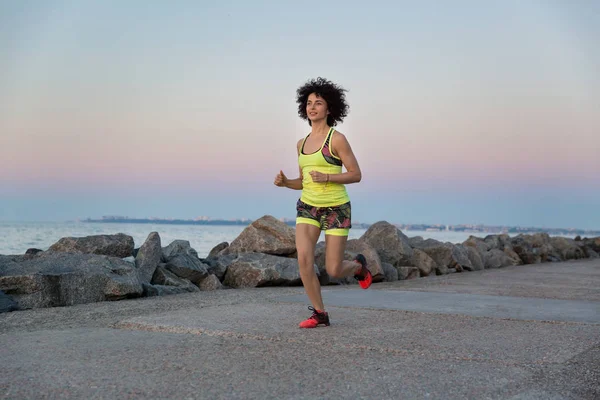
[{"x": 17, "y": 237}]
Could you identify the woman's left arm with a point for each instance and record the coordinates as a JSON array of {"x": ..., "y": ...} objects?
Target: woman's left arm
[{"x": 340, "y": 145}]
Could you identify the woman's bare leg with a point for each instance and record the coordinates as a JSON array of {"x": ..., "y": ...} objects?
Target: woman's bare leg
[
  {"x": 335, "y": 264},
  {"x": 306, "y": 240}
]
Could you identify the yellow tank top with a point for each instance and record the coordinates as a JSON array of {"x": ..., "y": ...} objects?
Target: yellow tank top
[{"x": 321, "y": 194}]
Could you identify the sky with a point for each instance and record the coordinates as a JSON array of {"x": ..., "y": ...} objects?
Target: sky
[{"x": 463, "y": 112}]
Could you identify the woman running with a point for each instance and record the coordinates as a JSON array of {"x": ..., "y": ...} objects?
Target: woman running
[{"x": 324, "y": 203}]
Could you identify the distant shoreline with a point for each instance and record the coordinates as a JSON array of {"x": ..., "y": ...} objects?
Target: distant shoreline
[{"x": 481, "y": 229}]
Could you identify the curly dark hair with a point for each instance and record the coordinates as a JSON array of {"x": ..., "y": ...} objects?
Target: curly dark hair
[{"x": 333, "y": 94}]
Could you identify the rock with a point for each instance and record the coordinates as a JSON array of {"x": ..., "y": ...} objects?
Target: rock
[
  {"x": 7, "y": 304},
  {"x": 390, "y": 243},
  {"x": 478, "y": 244},
  {"x": 567, "y": 249},
  {"x": 218, "y": 266},
  {"x": 414, "y": 241},
  {"x": 577, "y": 238},
  {"x": 211, "y": 282},
  {"x": 164, "y": 290},
  {"x": 62, "y": 279},
  {"x": 475, "y": 257},
  {"x": 442, "y": 270},
  {"x": 499, "y": 242},
  {"x": 446, "y": 254},
  {"x": 460, "y": 258},
  {"x": 218, "y": 249},
  {"x": 148, "y": 257},
  {"x": 534, "y": 249},
  {"x": 257, "y": 269},
  {"x": 516, "y": 260},
  {"x": 407, "y": 272},
  {"x": 266, "y": 235},
  {"x": 390, "y": 272},
  {"x": 188, "y": 267},
  {"x": 496, "y": 258},
  {"x": 163, "y": 276},
  {"x": 178, "y": 247},
  {"x": 593, "y": 243},
  {"x": 438, "y": 251},
  {"x": 423, "y": 262},
  {"x": 33, "y": 251},
  {"x": 119, "y": 245},
  {"x": 130, "y": 259},
  {"x": 589, "y": 253}
]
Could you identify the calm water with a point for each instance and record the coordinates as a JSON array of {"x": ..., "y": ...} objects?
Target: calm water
[{"x": 17, "y": 237}]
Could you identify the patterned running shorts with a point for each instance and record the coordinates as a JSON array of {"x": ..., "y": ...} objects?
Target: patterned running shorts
[{"x": 333, "y": 220}]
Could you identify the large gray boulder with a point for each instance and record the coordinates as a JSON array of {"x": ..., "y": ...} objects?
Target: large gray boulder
[
  {"x": 423, "y": 262},
  {"x": 391, "y": 244},
  {"x": 407, "y": 273},
  {"x": 391, "y": 273},
  {"x": 587, "y": 250},
  {"x": 218, "y": 265},
  {"x": 210, "y": 283},
  {"x": 567, "y": 248},
  {"x": 592, "y": 243},
  {"x": 414, "y": 241},
  {"x": 534, "y": 249},
  {"x": 188, "y": 267},
  {"x": 119, "y": 245},
  {"x": 178, "y": 247},
  {"x": 460, "y": 258},
  {"x": 499, "y": 242},
  {"x": 148, "y": 257},
  {"x": 7, "y": 304},
  {"x": 446, "y": 255},
  {"x": 477, "y": 261},
  {"x": 163, "y": 276},
  {"x": 497, "y": 258},
  {"x": 266, "y": 235},
  {"x": 478, "y": 244},
  {"x": 257, "y": 269},
  {"x": 54, "y": 279},
  {"x": 214, "y": 252}
]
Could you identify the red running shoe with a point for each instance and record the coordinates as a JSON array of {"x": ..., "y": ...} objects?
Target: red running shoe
[
  {"x": 364, "y": 277},
  {"x": 316, "y": 319}
]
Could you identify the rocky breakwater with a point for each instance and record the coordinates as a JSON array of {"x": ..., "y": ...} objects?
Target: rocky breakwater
[{"x": 108, "y": 267}]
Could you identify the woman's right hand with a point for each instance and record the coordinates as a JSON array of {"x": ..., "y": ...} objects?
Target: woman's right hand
[{"x": 280, "y": 179}]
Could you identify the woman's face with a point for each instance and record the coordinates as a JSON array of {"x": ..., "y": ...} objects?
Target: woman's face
[{"x": 316, "y": 108}]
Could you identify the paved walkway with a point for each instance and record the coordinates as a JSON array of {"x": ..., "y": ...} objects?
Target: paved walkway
[{"x": 525, "y": 332}]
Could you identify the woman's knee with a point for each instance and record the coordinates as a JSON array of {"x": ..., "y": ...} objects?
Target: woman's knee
[{"x": 305, "y": 260}]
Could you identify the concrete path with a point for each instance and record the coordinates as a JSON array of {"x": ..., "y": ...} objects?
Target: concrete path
[{"x": 526, "y": 332}]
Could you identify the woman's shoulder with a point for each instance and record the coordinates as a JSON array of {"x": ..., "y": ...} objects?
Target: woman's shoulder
[
  {"x": 299, "y": 144},
  {"x": 338, "y": 137}
]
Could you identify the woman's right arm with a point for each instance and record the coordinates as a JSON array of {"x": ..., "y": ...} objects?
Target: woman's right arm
[{"x": 295, "y": 184}]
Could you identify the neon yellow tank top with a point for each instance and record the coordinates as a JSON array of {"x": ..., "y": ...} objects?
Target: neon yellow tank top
[{"x": 321, "y": 194}]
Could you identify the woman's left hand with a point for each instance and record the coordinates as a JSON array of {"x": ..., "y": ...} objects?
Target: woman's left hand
[{"x": 319, "y": 177}]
